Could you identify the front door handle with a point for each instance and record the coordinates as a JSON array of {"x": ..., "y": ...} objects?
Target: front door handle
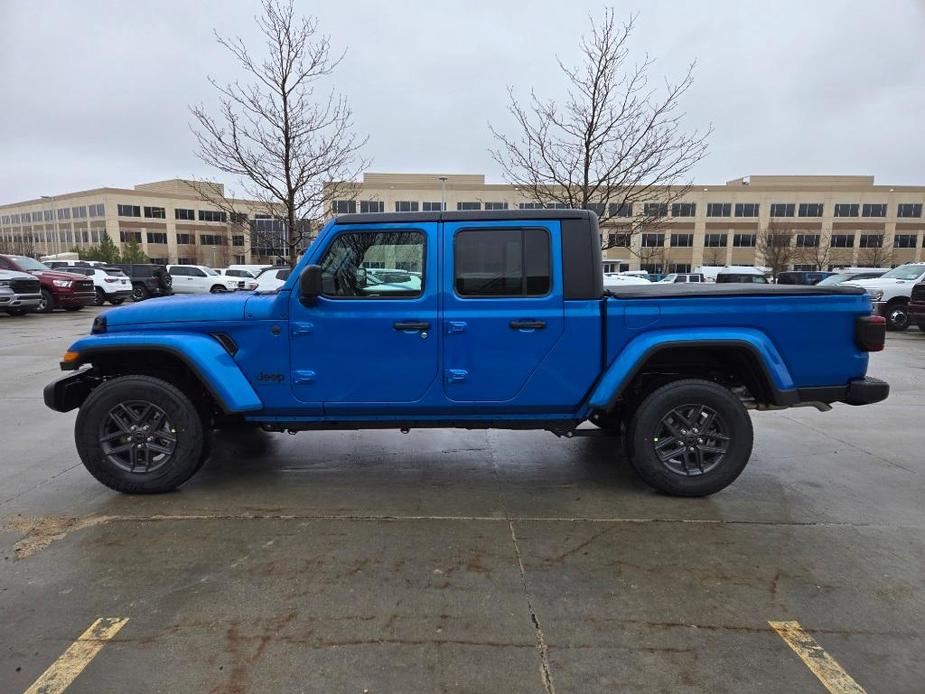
[
  {"x": 528, "y": 324},
  {"x": 417, "y": 326}
]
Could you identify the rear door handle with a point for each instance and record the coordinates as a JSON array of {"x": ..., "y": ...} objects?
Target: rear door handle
[
  {"x": 417, "y": 326},
  {"x": 528, "y": 324}
]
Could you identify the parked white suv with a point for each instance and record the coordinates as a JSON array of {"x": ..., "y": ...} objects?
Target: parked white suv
[
  {"x": 247, "y": 279},
  {"x": 891, "y": 291},
  {"x": 111, "y": 283},
  {"x": 273, "y": 278},
  {"x": 199, "y": 279}
]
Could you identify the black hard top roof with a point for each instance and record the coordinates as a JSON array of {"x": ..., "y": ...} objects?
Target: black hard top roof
[{"x": 466, "y": 216}]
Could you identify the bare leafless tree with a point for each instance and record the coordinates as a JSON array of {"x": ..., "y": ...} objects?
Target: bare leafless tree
[
  {"x": 814, "y": 251},
  {"x": 714, "y": 255},
  {"x": 292, "y": 149},
  {"x": 876, "y": 256},
  {"x": 774, "y": 245},
  {"x": 614, "y": 143}
]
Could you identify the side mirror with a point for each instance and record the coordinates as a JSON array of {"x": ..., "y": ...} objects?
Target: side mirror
[{"x": 310, "y": 287}]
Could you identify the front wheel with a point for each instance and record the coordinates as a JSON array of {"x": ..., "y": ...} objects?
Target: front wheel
[
  {"x": 46, "y": 303},
  {"x": 117, "y": 302},
  {"x": 17, "y": 311},
  {"x": 139, "y": 435},
  {"x": 897, "y": 316},
  {"x": 690, "y": 438},
  {"x": 140, "y": 292},
  {"x": 73, "y": 308}
]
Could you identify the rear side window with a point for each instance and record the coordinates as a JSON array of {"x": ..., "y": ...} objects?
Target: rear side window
[{"x": 501, "y": 262}]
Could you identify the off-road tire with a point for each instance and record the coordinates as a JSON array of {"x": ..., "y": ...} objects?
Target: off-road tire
[
  {"x": 648, "y": 420},
  {"x": 187, "y": 457}
]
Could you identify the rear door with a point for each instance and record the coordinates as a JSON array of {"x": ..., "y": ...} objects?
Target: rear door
[{"x": 503, "y": 306}]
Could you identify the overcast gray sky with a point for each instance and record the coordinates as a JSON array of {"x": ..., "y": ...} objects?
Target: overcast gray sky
[{"x": 95, "y": 92}]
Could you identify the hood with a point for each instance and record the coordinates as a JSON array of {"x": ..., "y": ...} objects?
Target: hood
[
  {"x": 15, "y": 275},
  {"x": 877, "y": 282},
  {"x": 180, "y": 309},
  {"x": 57, "y": 275}
]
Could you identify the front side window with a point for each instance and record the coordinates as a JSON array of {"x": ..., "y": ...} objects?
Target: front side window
[
  {"x": 502, "y": 262},
  {"x": 380, "y": 264}
]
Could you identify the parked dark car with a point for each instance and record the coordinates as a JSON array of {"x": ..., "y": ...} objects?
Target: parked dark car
[
  {"x": 148, "y": 280},
  {"x": 917, "y": 305},
  {"x": 59, "y": 289},
  {"x": 803, "y": 277}
]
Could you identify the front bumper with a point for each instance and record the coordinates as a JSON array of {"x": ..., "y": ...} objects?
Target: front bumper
[
  {"x": 20, "y": 301},
  {"x": 859, "y": 391},
  {"x": 917, "y": 312},
  {"x": 69, "y": 392}
]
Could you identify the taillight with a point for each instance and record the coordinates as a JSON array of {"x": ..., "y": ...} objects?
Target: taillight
[{"x": 870, "y": 333}]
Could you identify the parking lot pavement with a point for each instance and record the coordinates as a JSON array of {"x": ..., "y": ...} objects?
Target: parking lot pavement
[{"x": 462, "y": 561}]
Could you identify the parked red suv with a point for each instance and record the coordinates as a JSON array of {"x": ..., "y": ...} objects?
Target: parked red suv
[{"x": 59, "y": 289}]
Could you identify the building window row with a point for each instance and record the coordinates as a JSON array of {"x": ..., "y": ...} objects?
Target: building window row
[{"x": 161, "y": 213}]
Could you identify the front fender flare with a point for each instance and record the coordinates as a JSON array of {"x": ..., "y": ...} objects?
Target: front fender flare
[
  {"x": 203, "y": 354},
  {"x": 635, "y": 354}
]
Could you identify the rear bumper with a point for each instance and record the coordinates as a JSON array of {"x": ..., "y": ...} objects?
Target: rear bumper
[
  {"x": 118, "y": 293},
  {"x": 860, "y": 391}
]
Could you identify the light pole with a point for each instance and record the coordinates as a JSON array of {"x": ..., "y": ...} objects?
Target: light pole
[
  {"x": 54, "y": 221},
  {"x": 442, "y": 180}
]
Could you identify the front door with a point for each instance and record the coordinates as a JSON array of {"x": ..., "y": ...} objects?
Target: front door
[
  {"x": 503, "y": 307},
  {"x": 369, "y": 343}
]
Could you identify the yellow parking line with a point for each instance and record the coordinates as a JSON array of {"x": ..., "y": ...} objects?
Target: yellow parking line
[
  {"x": 66, "y": 668},
  {"x": 823, "y": 666}
]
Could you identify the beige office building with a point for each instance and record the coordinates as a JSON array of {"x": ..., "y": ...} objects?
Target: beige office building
[
  {"x": 834, "y": 221},
  {"x": 169, "y": 220}
]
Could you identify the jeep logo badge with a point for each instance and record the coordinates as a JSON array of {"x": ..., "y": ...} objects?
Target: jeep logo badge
[{"x": 270, "y": 378}]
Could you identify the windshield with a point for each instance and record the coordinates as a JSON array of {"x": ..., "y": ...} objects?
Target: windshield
[
  {"x": 905, "y": 272},
  {"x": 210, "y": 271},
  {"x": 832, "y": 279},
  {"x": 29, "y": 264}
]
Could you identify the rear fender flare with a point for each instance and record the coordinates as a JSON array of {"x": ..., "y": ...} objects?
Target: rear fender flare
[{"x": 635, "y": 354}]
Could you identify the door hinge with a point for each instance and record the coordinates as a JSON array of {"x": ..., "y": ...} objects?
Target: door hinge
[
  {"x": 303, "y": 377},
  {"x": 456, "y": 375}
]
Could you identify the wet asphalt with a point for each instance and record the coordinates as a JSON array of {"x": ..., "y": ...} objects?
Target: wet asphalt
[{"x": 447, "y": 560}]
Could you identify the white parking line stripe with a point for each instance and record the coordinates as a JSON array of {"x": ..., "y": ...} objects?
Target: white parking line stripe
[
  {"x": 71, "y": 663},
  {"x": 822, "y": 665}
]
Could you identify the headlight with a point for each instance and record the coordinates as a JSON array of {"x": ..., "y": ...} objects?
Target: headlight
[
  {"x": 875, "y": 294},
  {"x": 5, "y": 283},
  {"x": 61, "y": 283}
]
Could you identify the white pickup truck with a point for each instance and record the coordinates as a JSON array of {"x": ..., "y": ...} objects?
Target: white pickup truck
[{"x": 891, "y": 291}]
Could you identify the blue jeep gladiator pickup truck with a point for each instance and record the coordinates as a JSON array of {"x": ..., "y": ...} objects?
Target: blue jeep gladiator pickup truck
[{"x": 473, "y": 320}]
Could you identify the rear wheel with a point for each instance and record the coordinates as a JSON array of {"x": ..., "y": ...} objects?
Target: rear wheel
[
  {"x": 690, "y": 438},
  {"x": 218, "y": 289},
  {"x": 100, "y": 297},
  {"x": 47, "y": 302},
  {"x": 140, "y": 435}
]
